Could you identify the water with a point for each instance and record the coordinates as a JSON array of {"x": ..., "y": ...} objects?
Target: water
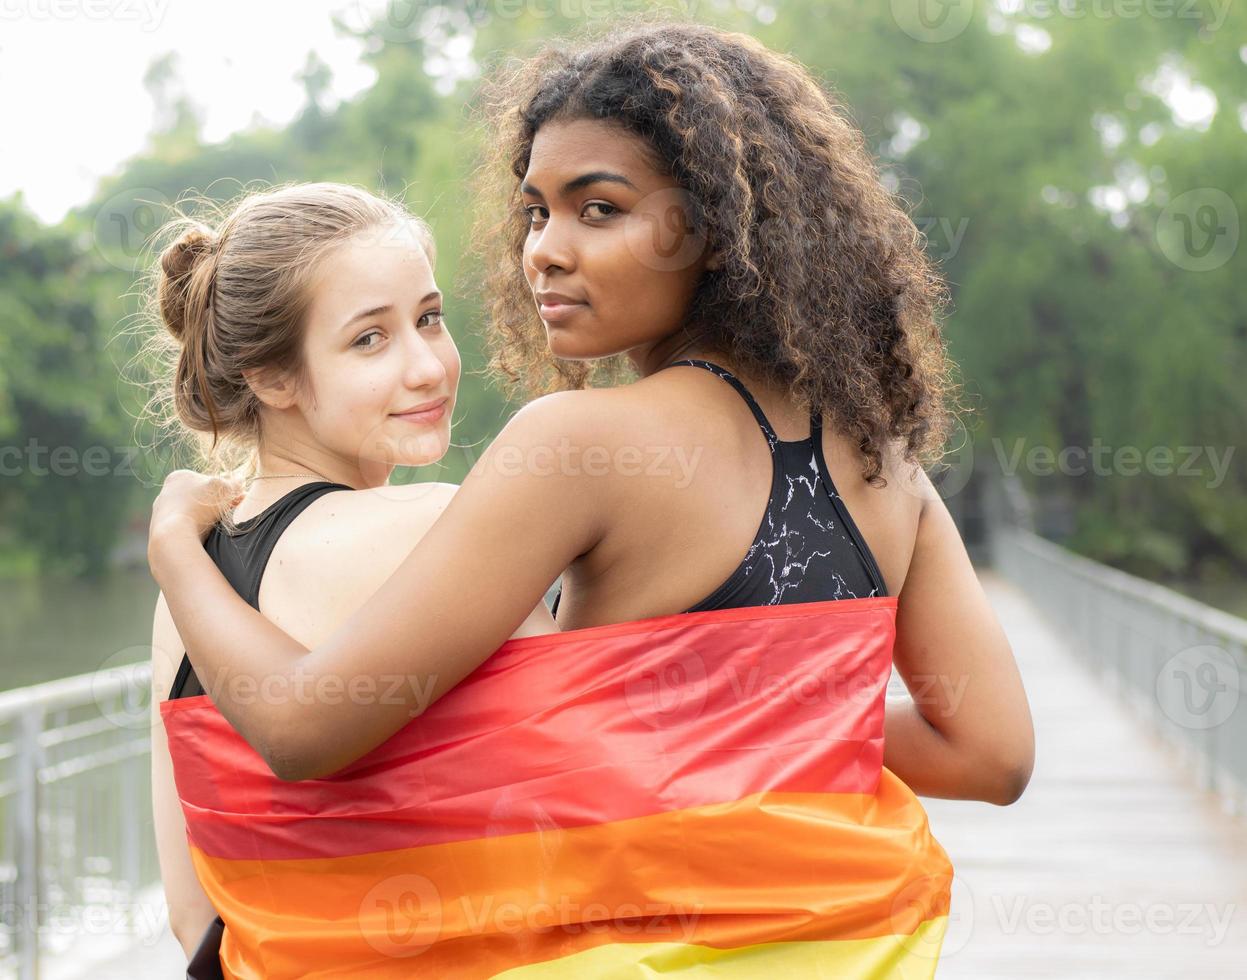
[{"x": 52, "y": 628}]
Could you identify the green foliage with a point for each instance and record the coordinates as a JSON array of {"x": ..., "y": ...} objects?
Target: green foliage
[
  {"x": 58, "y": 398},
  {"x": 1073, "y": 328},
  {"x": 1072, "y": 325}
]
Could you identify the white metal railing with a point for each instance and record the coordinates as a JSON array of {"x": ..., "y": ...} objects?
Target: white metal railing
[
  {"x": 1181, "y": 664},
  {"x": 75, "y": 798}
]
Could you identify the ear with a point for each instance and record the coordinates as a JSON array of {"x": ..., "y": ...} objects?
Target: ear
[
  {"x": 273, "y": 388},
  {"x": 714, "y": 261}
]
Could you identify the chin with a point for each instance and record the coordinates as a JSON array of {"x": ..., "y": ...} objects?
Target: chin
[
  {"x": 420, "y": 449},
  {"x": 569, "y": 345}
]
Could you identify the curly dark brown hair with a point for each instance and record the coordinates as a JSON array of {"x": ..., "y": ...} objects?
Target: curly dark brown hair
[{"x": 824, "y": 287}]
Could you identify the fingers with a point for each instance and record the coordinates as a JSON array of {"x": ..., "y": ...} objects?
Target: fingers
[
  {"x": 188, "y": 490},
  {"x": 230, "y": 488}
]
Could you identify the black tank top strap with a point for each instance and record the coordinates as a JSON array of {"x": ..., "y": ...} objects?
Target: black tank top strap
[
  {"x": 763, "y": 422},
  {"x": 807, "y": 547},
  {"x": 850, "y": 525},
  {"x": 242, "y": 555}
]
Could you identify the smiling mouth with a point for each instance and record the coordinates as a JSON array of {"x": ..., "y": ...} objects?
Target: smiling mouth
[{"x": 424, "y": 416}]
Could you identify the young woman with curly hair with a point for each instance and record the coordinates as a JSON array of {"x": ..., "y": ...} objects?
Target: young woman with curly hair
[{"x": 705, "y": 741}]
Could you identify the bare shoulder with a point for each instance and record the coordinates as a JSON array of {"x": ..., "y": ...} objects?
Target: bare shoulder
[
  {"x": 578, "y": 416},
  {"x": 906, "y": 478},
  {"x": 362, "y": 528},
  {"x": 666, "y": 405},
  {"x": 632, "y": 443}
]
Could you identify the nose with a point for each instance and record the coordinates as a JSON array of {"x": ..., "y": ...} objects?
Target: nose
[
  {"x": 422, "y": 368},
  {"x": 551, "y": 247}
]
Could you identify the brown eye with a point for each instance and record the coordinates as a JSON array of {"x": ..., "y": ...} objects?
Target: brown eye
[
  {"x": 609, "y": 208},
  {"x": 437, "y": 319}
]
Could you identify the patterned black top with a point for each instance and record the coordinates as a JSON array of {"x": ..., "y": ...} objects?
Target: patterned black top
[{"x": 807, "y": 547}]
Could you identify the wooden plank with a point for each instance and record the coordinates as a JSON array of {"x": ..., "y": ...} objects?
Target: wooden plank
[{"x": 1114, "y": 863}]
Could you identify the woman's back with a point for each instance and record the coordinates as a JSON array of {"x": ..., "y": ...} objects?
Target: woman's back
[{"x": 692, "y": 473}]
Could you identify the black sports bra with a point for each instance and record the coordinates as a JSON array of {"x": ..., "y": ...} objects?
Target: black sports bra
[
  {"x": 807, "y": 547},
  {"x": 243, "y": 554}
]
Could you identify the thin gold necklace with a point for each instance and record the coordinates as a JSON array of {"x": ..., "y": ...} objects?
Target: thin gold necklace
[{"x": 278, "y": 476}]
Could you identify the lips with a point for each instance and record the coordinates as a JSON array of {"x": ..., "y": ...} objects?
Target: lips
[
  {"x": 558, "y": 306},
  {"x": 545, "y": 297},
  {"x": 426, "y": 413}
]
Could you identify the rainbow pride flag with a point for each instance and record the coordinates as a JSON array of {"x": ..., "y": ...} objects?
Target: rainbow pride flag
[{"x": 697, "y": 795}]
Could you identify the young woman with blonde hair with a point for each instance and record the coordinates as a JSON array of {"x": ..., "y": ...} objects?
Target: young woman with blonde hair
[{"x": 303, "y": 335}]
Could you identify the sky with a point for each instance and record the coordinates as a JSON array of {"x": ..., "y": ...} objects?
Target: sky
[
  {"x": 76, "y": 67},
  {"x": 80, "y": 111}
]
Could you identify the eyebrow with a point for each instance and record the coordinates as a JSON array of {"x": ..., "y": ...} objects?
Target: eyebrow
[
  {"x": 583, "y": 181},
  {"x": 378, "y": 310}
]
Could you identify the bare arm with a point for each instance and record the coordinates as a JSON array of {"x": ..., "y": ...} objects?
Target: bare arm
[
  {"x": 967, "y": 733},
  {"x": 515, "y": 524},
  {"x": 190, "y": 910}
]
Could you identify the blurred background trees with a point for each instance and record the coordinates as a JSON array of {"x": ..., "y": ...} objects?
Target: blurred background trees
[{"x": 1080, "y": 180}]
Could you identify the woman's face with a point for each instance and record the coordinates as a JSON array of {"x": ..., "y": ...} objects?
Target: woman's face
[
  {"x": 611, "y": 256},
  {"x": 381, "y": 368}
]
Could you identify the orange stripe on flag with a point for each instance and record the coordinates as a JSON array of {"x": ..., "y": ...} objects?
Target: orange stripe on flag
[{"x": 795, "y": 868}]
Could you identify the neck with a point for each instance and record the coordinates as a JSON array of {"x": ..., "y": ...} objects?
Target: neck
[
  {"x": 279, "y": 469},
  {"x": 652, "y": 358}
]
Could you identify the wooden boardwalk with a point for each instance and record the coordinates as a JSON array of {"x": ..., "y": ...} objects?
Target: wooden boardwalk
[{"x": 1113, "y": 864}]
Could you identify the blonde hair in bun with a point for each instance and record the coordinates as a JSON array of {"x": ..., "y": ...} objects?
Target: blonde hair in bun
[
  {"x": 229, "y": 294},
  {"x": 185, "y": 284}
]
